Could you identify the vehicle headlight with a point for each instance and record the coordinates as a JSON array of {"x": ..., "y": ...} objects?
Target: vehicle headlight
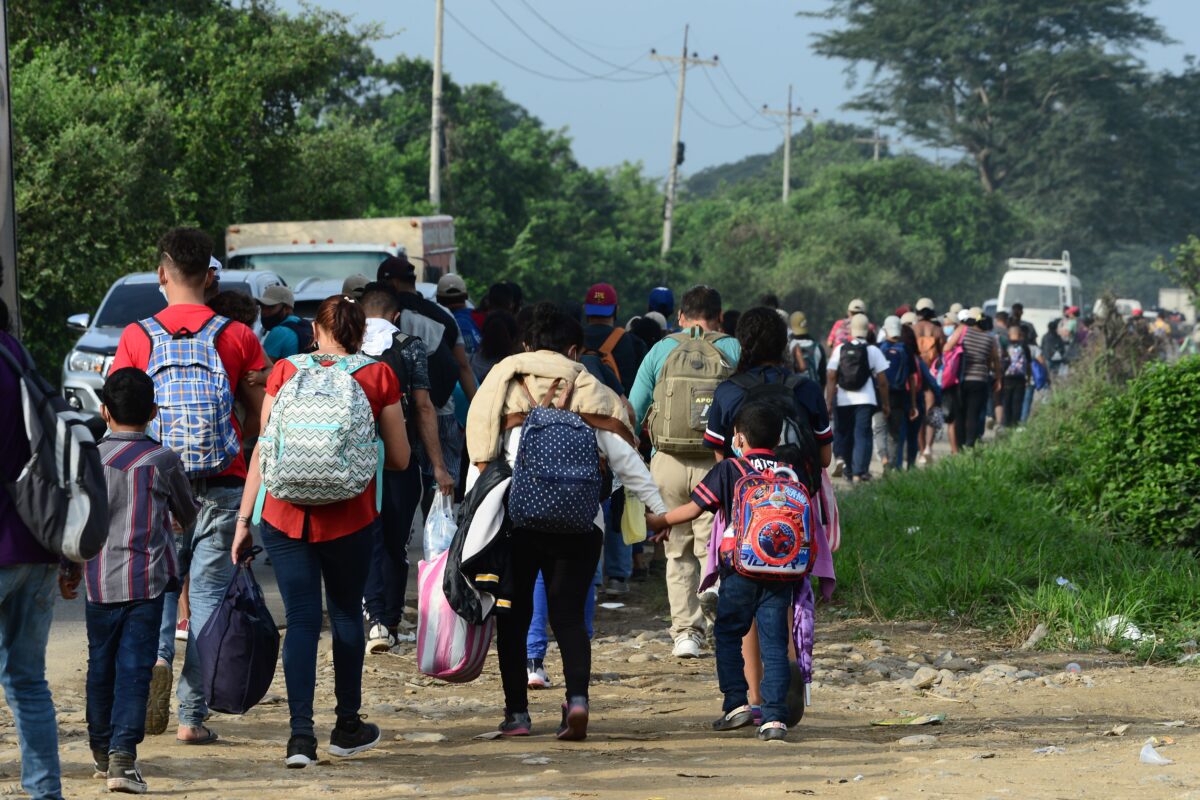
[{"x": 83, "y": 361}]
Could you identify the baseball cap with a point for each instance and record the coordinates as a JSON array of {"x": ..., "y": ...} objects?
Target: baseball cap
[
  {"x": 277, "y": 295},
  {"x": 601, "y": 301},
  {"x": 910, "y": 318},
  {"x": 955, "y": 308},
  {"x": 964, "y": 315},
  {"x": 396, "y": 267},
  {"x": 924, "y": 303},
  {"x": 892, "y": 327},
  {"x": 214, "y": 265},
  {"x": 662, "y": 300},
  {"x": 860, "y": 326},
  {"x": 976, "y": 313},
  {"x": 799, "y": 323},
  {"x": 856, "y": 307},
  {"x": 451, "y": 287},
  {"x": 354, "y": 285}
]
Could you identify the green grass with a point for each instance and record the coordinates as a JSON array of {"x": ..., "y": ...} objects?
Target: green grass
[{"x": 989, "y": 537}]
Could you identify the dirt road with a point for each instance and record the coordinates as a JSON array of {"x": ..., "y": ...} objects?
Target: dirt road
[{"x": 650, "y": 732}]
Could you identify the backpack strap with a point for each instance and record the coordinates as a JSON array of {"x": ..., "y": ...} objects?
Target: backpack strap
[
  {"x": 608, "y": 345},
  {"x": 10, "y": 359}
]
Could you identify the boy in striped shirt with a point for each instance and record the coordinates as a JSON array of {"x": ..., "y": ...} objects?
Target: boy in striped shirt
[{"x": 147, "y": 489}]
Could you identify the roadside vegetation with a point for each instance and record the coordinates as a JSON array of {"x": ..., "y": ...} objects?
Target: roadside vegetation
[{"x": 1087, "y": 514}]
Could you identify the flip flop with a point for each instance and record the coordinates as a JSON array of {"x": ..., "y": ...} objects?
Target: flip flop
[{"x": 209, "y": 737}]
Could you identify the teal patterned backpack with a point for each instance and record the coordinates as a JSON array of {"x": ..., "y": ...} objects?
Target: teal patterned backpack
[{"x": 320, "y": 445}]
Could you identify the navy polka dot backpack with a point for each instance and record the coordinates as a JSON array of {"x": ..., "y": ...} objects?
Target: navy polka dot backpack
[{"x": 556, "y": 482}]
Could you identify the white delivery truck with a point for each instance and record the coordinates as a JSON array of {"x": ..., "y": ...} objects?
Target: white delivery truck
[
  {"x": 1043, "y": 286},
  {"x": 314, "y": 257}
]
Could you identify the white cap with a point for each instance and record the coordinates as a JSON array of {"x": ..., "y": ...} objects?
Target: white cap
[
  {"x": 214, "y": 265},
  {"x": 892, "y": 326}
]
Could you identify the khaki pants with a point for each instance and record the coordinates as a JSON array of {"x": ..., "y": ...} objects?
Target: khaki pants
[{"x": 687, "y": 549}]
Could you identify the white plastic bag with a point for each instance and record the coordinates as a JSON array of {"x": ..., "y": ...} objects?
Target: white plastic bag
[{"x": 439, "y": 526}]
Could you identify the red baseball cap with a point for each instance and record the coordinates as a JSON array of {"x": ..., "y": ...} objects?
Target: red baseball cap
[{"x": 601, "y": 301}]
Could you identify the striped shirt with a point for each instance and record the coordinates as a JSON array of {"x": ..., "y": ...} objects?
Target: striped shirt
[
  {"x": 146, "y": 487},
  {"x": 978, "y": 348}
]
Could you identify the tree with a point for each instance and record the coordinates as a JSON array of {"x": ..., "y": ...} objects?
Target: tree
[
  {"x": 1184, "y": 266},
  {"x": 988, "y": 76}
]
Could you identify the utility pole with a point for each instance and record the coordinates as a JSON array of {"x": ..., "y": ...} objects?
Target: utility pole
[
  {"x": 435, "y": 125},
  {"x": 684, "y": 61},
  {"x": 8, "y": 218},
  {"x": 876, "y": 140},
  {"x": 789, "y": 113}
]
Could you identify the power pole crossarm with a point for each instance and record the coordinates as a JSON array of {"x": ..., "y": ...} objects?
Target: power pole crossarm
[
  {"x": 876, "y": 141},
  {"x": 788, "y": 114},
  {"x": 684, "y": 61}
]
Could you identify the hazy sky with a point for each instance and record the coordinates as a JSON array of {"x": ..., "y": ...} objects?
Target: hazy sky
[{"x": 762, "y": 46}]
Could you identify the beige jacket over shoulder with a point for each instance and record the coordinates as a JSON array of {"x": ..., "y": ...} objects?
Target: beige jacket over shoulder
[{"x": 501, "y": 404}]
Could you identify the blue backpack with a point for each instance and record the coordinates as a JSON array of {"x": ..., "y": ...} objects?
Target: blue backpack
[
  {"x": 556, "y": 481},
  {"x": 195, "y": 400},
  {"x": 1041, "y": 377},
  {"x": 899, "y": 364}
]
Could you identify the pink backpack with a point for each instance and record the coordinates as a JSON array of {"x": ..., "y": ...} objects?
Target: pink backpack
[
  {"x": 950, "y": 374},
  {"x": 448, "y": 647}
]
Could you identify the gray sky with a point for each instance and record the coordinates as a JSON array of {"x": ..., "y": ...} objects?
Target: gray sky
[{"x": 762, "y": 46}]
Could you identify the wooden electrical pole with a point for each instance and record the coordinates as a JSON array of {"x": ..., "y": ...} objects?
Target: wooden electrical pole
[
  {"x": 8, "y": 216},
  {"x": 684, "y": 61},
  {"x": 877, "y": 141},
  {"x": 789, "y": 113},
  {"x": 435, "y": 125}
]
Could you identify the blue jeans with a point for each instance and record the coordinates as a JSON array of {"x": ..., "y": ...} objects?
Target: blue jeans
[
  {"x": 26, "y": 608},
  {"x": 300, "y": 569},
  {"x": 170, "y": 617},
  {"x": 853, "y": 432},
  {"x": 1027, "y": 406},
  {"x": 388, "y": 576},
  {"x": 618, "y": 556},
  {"x": 122, "y": 647},
  {"x": 209, "y": 576},
  {"x": 537, "y": 640},
  {"x": 741, "y": 602}
]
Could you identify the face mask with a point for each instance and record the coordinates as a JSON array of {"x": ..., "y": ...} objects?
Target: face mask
[
  {"x": 947, "y": 329},
  {"x": 737, "y": 451}
]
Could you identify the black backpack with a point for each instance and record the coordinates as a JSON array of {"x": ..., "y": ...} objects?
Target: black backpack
[
  {"x": 304, "y": 334},
  {"x": 854, "y": 367},
  {"x": 797, "y": 444},
  {"x": 393, "y": 356},
  {"x": 443, "y": 374}
]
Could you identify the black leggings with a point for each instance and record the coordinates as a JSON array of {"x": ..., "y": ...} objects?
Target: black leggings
[
  {"x": 568, "y": 564},
  {"x": 975, "y": 396},
  {"x": 1012, "y": 398}
]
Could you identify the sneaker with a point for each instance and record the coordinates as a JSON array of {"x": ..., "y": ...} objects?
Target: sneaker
[
  {"x": 123, "y": 774},
  {"x": 353, "y": 736},
  {"x": 839, "y": 467},
  {"x": 686, "y": 646},
  {"x": 739, "y": 717},
  {"x": 773, "y": 732},
  {"x": 574, "y": 720},
  {"x": 301, "y": 751},
  {"x": 181, "y": 631},
  {"x": 617, "y": 587},
  {"x": 538, "y": 679},
  {"x": 516, "y": 724},
  {"x": 100, "y": 763},
  {"x": 158, "y": 704},
  {"x": 379, "y": 639}
]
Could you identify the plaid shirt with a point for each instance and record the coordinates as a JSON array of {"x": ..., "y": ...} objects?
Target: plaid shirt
[{"x": 146, "y": 486}]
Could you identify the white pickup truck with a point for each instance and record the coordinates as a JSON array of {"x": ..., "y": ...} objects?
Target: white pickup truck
[{"x": 314, "y": 257}]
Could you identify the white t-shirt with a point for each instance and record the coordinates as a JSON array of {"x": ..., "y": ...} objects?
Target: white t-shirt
[{"x": 866, "y": 395}]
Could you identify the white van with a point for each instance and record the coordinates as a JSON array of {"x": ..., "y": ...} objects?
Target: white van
[{"x": 1043, "y": 286}]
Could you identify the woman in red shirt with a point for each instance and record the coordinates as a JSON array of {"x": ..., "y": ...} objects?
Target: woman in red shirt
[{"x": 326, "y": 544}]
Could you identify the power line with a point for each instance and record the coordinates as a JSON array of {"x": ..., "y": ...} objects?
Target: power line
[
  {"x": 569, "y": 40},
  {"x": 505, "y": 58},
  {"x": 740, "y": 93},
  {"x": 745, "y": 121},
  {"x": 568, "y": 64},
  {"x": 699, "y": 114}
]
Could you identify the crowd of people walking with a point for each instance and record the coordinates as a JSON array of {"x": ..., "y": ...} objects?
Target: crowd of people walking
[{"x": 723, "y": 431}]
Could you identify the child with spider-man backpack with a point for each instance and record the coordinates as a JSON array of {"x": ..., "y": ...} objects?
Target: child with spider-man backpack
[{"x": 764, "y": 556}]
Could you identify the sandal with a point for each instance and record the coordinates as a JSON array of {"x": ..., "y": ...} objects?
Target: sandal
[
  {"x": 740, "y": 717},
  {"x": 209, "y": 736},
  {"x": 773, "y": 732}
]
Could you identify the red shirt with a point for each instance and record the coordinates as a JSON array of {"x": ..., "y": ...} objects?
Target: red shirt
[
  {"x": 334, "y": 520},
  {"x": 237, "y": 346}
]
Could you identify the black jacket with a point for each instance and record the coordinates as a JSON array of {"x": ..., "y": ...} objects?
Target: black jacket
[{"x": 478, "y": 582}]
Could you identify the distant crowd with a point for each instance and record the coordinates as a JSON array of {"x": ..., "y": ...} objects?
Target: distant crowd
[{"x": 556, "y": 456}]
